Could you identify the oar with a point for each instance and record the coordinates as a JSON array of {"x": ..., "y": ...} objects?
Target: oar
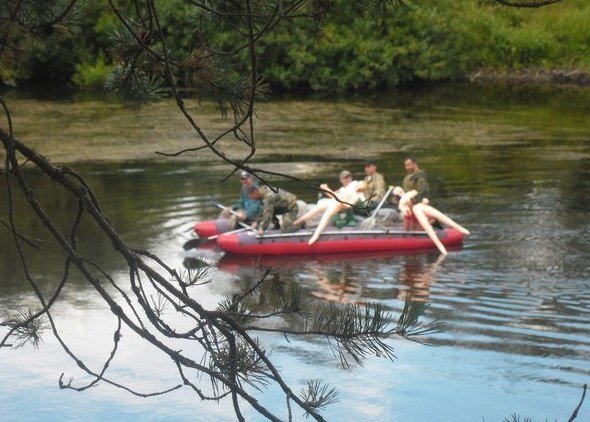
[
  {"x": 194, "y": 243},
  {"x": 369, "y": 223},
  {"x": 223, "y": 207}
]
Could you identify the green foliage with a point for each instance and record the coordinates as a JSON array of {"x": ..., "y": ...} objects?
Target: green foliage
[
  {"x": 429, "y": 40},
  {"x": 91, "y": 75},
  {"x": 181, "y": 26},
  {"x": 358, "y": 46},
  {"x": 134, "y": 85}
]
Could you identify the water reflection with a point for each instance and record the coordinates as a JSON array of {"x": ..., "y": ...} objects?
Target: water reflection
[
  {"x": 334, "y": 277},
  {"x": 347, "y": 278},
  {"x": 419, "y": 277},
  {"x": 336, "y": 286},
  {"x": 514, "y": 300}
]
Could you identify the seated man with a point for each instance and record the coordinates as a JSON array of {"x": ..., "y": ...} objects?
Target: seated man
[
  {"x": 272, "y": 204},
  {"x": 375, "y": 188},
  {"x": 415, "y": 179},
  {"x": 246, "y": 209}
]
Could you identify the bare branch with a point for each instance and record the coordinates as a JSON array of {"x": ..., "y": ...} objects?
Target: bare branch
[
  {"x": 525, "y": 3},
  {"x": 577, "y": 409}
]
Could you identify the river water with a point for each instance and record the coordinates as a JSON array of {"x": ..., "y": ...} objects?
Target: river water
[{"x": 512, "y": 167}]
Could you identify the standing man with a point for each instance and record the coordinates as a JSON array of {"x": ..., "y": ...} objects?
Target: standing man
[
  {"x": 246, "y": 209},
  {"x": 274, "y": 203},
  {"x": 415, "y": 179},
  {"x": 375, "y": 185}
]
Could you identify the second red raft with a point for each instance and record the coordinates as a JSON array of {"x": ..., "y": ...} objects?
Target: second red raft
[{"x": 212, "y": 227}]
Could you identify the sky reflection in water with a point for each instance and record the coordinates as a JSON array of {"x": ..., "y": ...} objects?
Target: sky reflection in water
[{"x": 514, "y": 299}]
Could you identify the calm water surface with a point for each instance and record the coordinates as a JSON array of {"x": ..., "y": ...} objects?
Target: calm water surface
[{"x": 515, "y": 299}]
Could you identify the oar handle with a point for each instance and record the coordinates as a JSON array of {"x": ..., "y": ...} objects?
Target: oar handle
[
  {"x": 243, "y": 229},
  {"x": 223, "y": 207},
  {"x": 381, "y": 202}
]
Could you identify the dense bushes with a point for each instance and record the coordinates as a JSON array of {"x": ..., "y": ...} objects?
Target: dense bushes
[{"x": 429, "y": 40}]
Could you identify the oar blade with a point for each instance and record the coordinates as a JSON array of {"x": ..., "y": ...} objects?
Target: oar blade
[
  {"x": 194, "y": 243},
  {"x": 368, "y": 224}
]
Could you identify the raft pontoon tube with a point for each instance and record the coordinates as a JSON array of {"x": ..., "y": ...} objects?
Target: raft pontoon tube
[{"x": 333, "y": 240}]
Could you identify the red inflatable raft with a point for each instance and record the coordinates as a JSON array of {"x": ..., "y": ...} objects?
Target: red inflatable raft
[
  {"x": 346, "y": 240},
  {"x": 212, "y": 227}
]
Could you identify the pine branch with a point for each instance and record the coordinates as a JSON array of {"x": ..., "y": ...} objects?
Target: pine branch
[
  {"x": 318, "y": 395},
  {"x": 134, "y": 86},
  {"x": 409, "y": 325},
  {"x": 247, "y": 363},
  {"x": 381, "y": 8},
  {"x": 27, "y": 327}
]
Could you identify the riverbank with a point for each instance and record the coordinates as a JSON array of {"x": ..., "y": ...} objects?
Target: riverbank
[
  {"x": 558, "y": 77},
  {"x": 76, "y": 130}
]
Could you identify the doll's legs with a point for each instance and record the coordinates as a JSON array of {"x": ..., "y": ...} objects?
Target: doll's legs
[
  {"x": 321, "y": 206},
  {"x": 334, "y": 207},
  {"x": 420, "y": 212},
  {"x": 442, "y": 218}
]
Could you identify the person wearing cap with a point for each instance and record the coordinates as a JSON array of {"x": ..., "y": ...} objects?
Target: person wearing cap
[
  {"x": 342, "y": 199},
  {"x": 345, "y": 178},
  {"x": 245, "y": 209},
  {"x": 310, "y": 215},
  {"x": 375, "y": 187},
  {"x": 272, "y": 204}
]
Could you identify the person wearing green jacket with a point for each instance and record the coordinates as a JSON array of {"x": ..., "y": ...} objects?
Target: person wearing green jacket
[
  {"x": 272, "y": 204},
  {"x": 415, "y": 179},
  {"x": 375, "y": 185}
]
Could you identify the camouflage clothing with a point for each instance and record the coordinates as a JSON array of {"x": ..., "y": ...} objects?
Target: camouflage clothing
[
  {"x": 417, "y": 181},
  {"x": 275, "y": 203},
  {"x": 375, "y": 187}
]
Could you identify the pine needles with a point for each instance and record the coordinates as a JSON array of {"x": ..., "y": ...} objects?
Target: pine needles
[{"x": 26, "y": 328}]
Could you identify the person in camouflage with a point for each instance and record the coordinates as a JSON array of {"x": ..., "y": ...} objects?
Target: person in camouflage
[
  {"x": 375, "y": 189},
  {"x": 415, "y": 180},
  {"x": 375, "y": 184},
  {"x": 275, "y": 203}
]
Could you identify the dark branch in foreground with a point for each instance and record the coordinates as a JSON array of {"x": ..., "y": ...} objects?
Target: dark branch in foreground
[
  {"x": 577, "y": 409},
  {"x": 524, "y": 3},
  {"x": 217, "y": 356},
  {"x": 235, "y": 359}
]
